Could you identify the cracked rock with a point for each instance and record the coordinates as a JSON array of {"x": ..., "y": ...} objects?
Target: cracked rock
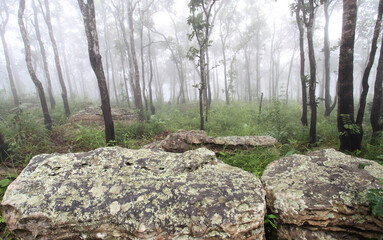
[
  {"x": 323, "y": 196},
  {"x": 117, "y": 193}
]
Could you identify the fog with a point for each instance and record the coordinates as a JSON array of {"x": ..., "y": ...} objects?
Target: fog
[{"x": 261, "y": 50}]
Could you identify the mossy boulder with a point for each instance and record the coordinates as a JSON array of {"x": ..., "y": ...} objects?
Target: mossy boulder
[
  {"x": 117, "y": 193},
  {"x": 323, "y": 196}
]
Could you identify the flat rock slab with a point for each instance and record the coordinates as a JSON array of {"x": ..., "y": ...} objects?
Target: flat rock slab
[
  {"x": 93, "y": 115},
  {"x": 323, "y": 196},
  {"x": 182, "y": 141},
  {"x": 117, "y": 193}
]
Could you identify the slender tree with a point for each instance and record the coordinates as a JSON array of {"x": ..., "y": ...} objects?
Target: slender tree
[
  {"x": 48, "y": 21},
  {"x": 3, "y": 24},
  {"x": 88, "y": 14},
  {"x": 32, "y": 73},
  {"x": 299, "y": 21},
  {"x": 201, "y": 26},
  {"x": 44, "y": 56},
  {"x": 376, "y": 110},
  {"x": 326, "y": 49},
  {"x": 309, "y": 18},
  {"x": 365, "y": 86},
  {"x": 349, "y": 133}
]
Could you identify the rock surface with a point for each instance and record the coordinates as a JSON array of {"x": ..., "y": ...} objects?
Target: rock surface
[
  {"x": 117, "y": 193},
  {"x": 323, "y": 196},
  {"x": 93, "y": 115},
  {"x": 182, "y": 141}
]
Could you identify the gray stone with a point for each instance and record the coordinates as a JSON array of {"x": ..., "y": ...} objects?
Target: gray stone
[
  {"x": 182, "y": 141},
  {"x": 93, "y": 115},
  {"x": 117, "y": 193},
  {"x": 323, "y": 196}
]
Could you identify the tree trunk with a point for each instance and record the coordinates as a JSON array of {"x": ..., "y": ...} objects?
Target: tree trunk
[
  {"x": 376, "y": 110},
  {"x": 365, "y": 87},
  {"x": 3, "y": 148},
  {"x": 312, "y": 86},
  {"x": 328, "y": 107},
  {"x": 302, "y": 65},
  {"x": 202, "y": 87},
  {"x": 8, "y": 63},
  {"x": 64, "y": 95},
  {"x": 349, "y": 133},
  {"x": 139, "y": 104},
  {"x": 88, "y": 13},
  {"x": 44, "y": 57},
  {"x": 143, "y": 65},
  {"x": 152, "y": 108},
  {"x": 32, "y": 73}
]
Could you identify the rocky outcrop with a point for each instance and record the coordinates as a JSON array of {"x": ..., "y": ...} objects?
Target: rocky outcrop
[
  {"x": 93, "y": 115},
  {"x": 323, "y": 196},
  {"x": 182, "y": 141},
  {"x": 116, "y": 193}
]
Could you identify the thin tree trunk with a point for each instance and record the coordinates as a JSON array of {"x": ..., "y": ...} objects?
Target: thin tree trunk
[
  {"x": 376, "y": 110},
  {"x": 47, "y": 18},
  {"x": 302, "y": 65},
  {"x": 365, "y": 87},
  {"x": 139, "y": 104},
  {"x": 32, "y": 73},
  {"x": 7, "y": 58},
  {"x": 349, "y": 134},
  {"x": 88, "y": 13},
  {"x": 328, "y": 107},
  {"x": 312, "y": 85},
  {"x": 143, "y": 66},
  {"x": 152, "y": 108}
]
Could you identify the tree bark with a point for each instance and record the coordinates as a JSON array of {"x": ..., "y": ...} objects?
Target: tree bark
[
  {"x": 302, "y": 65},
  {"x": 139, "y": 104},
  {"x": 376, "y": 119},
  {"x": 32, "y": 73},
  {"x": 47, "y": 18},
  {"x": 312, "y": 86},
  {"x": 88, "y": 14},
  {"x": 7, "y": 58},
  {"x": 328, "y": 107},
  {"x": 349, "y": 134},
  {"x": 152, "y": 108},
  {"x": 365, "y": 86},
  {"x": 44, "y": 56}
]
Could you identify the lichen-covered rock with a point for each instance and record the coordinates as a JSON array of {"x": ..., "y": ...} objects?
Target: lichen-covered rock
[
  {"x": 93, "y": 115},
  {"x": 182, "y": 141},
  {"x": 323, "y": 196},
  {"x": 117, "y": 193}
]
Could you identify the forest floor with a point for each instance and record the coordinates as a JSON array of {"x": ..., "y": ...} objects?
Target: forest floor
[{"x": 26, "y": 136}]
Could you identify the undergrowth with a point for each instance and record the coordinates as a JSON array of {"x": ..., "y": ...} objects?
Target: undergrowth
[{"x": 26, "y": 136}]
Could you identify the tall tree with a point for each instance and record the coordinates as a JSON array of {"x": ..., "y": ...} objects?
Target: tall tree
[
  {"x": 88, "y": 14},
  {"x": 47, "y": 18},
  {"x": 298, "y": 15},
  {"x": 349, "y": 133},
  {"x": 31, "y": 70},
  {"x": 44, "y": 56},
  {"x": 309, "y": 18},
  {"x": 376, "y": 110},
  {"x": 365, "y": 86},
  {"x": 326, "y": 49},
  {"x": 131, "y": 8},
  {"x": 200, "y": 21},
  {"x": 3, "y": 24}
]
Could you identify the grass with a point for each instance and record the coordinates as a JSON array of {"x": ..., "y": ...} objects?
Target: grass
[{"x": 26, "y": 136}]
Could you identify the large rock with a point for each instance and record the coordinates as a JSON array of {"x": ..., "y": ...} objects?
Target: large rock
[
  {"x": 93, "y": 115},
  {"x": 116, "y": 193},
  {"x": 182, "y": 141},
  {"x": 323, "y": 196}
]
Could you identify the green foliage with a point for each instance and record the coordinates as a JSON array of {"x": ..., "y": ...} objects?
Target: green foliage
[
  {"x": 254, "y": 161},
  {"x": 349, "y": 125},
  {"x": 269, "y": 220},
  {"x": 85, "y": 138},
  {"x": 375, "y": 196}
]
